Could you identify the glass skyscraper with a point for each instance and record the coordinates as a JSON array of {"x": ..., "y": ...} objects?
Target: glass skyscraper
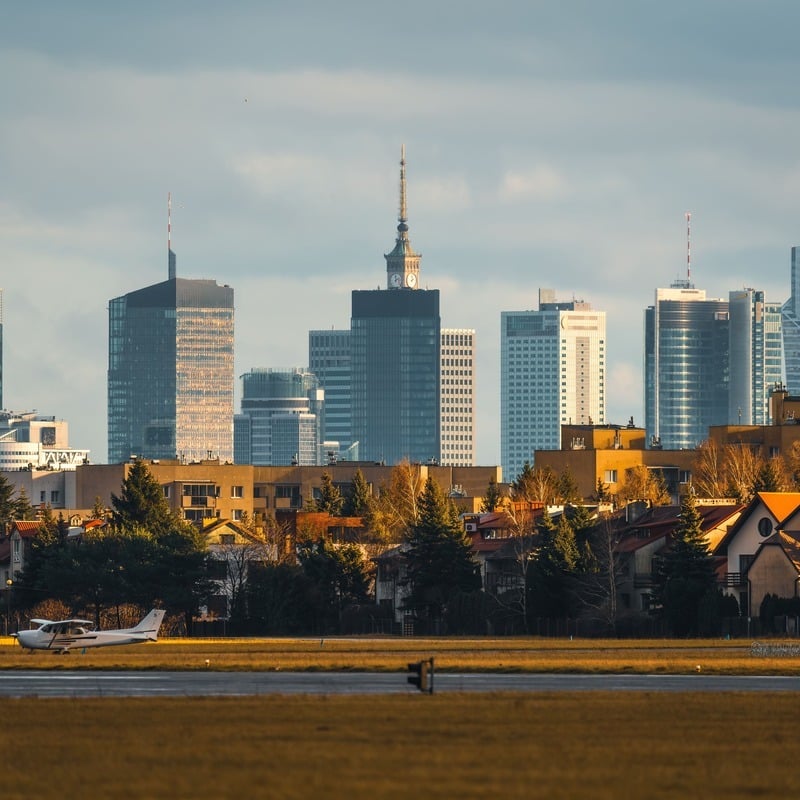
[
  {"x": 170, "y": 371},
  {"x": 288, "y": 401},
  {"x": 686, "y": 366},
  {"x": 791, "y": 329}
]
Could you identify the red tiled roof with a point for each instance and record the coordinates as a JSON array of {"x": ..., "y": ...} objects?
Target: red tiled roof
[{"x": 27, "y": 528}]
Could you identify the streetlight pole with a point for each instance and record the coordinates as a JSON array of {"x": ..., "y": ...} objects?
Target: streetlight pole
[{"x": 9, "y": 584}]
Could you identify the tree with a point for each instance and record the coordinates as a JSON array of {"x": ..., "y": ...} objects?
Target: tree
[
  {"x": 684, "y": 574},
  {"x": 330, "y": 500},
  {"x": 567, "y": 488},
  {"x": 493, "y": 499},
  {"x": 741, "y": 469},
  {"x": 552, "y": 571},
  {"x": 771, "y": 476},
  {"x": 708, "y": 473},
  {"x": 439, "y": 560},
  {"x": 602, "y": 493},
  {"x": 359, "y": 497},
  {"x": 396, "y": 507},
  {"x": 535, "y": 485},
  {"x": 644, "y": 484},
  {"x": 142, "y": 502}
]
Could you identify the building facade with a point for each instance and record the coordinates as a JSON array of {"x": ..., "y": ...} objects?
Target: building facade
[
  {"x": 553, "y": 370},
  {"x": 281, "y": 420},
  {"x": 31, "y": 441},
  {"x": 395, "y": 342},
  {"x": 686, "y": 366},
  {"x": 458, "y": 397},
  {"x": 790, "y": 317},
  {"x": 756, "y": 356},
  {"x": 329, "y": 360},
  {"x": 170, "y": 371}
]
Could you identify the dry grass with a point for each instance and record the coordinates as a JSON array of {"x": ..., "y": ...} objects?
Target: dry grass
[
  {"x": 392, "y": 654},
  {"x": 598, "y": 745}
]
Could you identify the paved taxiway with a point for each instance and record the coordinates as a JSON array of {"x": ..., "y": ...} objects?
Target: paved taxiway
[{"x": 86, "y": 683}]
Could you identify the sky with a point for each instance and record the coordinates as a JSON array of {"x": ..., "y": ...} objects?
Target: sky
[{"x": 554, "y": 145}]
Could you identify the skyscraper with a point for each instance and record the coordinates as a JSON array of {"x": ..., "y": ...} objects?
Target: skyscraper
[
  {"x": 686, "y": 366},
  {"x": 755, "y": 356},
  {"x": 170, "y": 371},
  {"x": 282, "y": 409},
  {"x": 458, "y": 397},
  {"x": 790, "y": 313},
  {"x": 553, "y": 370},
  {"x": 329, "y": 360},
  {"x": 395, "y": 343}
]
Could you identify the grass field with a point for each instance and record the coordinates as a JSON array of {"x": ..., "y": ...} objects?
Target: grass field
[
  {"x": 391, "y": 654},
  {"x": 595, "y": 745}
]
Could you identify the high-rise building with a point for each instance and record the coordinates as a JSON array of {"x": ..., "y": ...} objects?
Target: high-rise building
[
  {"x": 458, "y": 397},
  {"x": 790, "y": 313},
  {"x": 686, "y": 366},
  {"x": 395, "y": 343},
  {"x": 553, "y": 371},
  {"x": 1, "y": 349},
  {"x": 281, "y": 420},
  {"x": 329, "y": 360},
  {"x": 755, "y": 357},
  {"x": 170, "y": 371}
]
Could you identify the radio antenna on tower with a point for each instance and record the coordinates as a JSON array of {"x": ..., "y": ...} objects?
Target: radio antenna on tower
[
  {"x": 171, "y": 268},
  {"x": 689, "y": 246}
]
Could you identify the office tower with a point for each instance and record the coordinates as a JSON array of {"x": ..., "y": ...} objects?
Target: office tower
[
  {"x": 1, "y": 349},
  {"x": 395, "y": 350},
  {"x": 790, "y": 313},
  {"x": 553, "y": 370},
  {"x": 458, "y": 397},
  {"x": 170, "y": 371},
  {"x": 282, "y": 410},
  {"x": 755, "y": 356},
  {"x": 686, "y": 366},
  {"x": 329, "y": 360}
]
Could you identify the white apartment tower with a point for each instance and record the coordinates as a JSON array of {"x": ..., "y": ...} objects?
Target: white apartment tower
[
  {"x": 458, "y": 397},
  {"x": 553, "y": 370}
]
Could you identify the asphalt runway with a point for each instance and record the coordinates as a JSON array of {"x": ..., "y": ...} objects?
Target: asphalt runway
[{"x": 86, "y": 683}]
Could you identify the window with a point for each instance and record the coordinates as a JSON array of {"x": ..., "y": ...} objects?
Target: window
[
  {"x": 54, "y": 496},
  {"x": 227, "y": 538},
  {"x": 610, "y": 476},
  {"x": 237, "y": 491},
  {"x": 236, "y": 514}
]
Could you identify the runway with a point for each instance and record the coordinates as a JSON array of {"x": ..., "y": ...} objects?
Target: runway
[{"x": 89, "y": 683}]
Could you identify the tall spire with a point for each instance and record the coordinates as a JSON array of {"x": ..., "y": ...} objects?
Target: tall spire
[
  {"x": 171, "y": 266},
  {"x": 402, "y": 264}
]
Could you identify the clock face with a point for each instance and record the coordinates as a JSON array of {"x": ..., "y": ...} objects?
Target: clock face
[
  {"x": 411, "y": 280},
  {"x": 395, "y": 279}
]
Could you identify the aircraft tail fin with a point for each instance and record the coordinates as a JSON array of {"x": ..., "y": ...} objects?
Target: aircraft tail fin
[{"x": 151, "y": 624}]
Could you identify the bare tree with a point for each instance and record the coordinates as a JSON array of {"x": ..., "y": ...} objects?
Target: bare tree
[
  {"x": 708, "y": 471},
  {"x": 601, "y": 587},
  {"x": 642, "y": 483},
  {"x": 742, "y": 466},
  {"x": 396, "y": 507}
]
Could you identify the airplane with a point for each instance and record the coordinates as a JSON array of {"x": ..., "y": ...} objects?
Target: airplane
[{"x": 64, "y": 634}]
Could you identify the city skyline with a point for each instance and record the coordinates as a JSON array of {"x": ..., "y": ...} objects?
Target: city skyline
[{"x": 546, "y": 146}]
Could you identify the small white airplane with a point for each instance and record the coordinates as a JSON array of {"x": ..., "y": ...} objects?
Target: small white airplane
[{"x": 65, "y": 634}]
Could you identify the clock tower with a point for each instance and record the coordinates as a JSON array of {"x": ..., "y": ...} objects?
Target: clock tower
[{"x": 402, "y": 264}]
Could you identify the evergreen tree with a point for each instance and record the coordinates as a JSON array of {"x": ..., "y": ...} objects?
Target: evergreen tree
[
  {"x": 439, "y": 560},
  {"x": 771, "y": 476},
  {"x": 553, "y": 571},
  {"x": 358, "y": 499},
  {"x": 601, "y": 492},
  {"x": 567, "y": 488},
  {"x": 142, "y": 502},
  {"x": 330, "y": 499},
  {"x": 684, "y": 574},
  {"x": 493, "y": 499}
]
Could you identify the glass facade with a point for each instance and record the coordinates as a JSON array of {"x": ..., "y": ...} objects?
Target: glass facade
[
  {"x": 170, "y": 372},
  {"x": 686, "y": 367},
  {"x": 395, "y": 354},
  {"x": 790, "y": 313},
  {"x": 329, "y": 360},
  {"x": 268, "y": 395}
]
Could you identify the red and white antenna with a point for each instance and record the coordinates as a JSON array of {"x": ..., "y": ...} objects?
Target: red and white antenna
[{"x": 689, "y": 246}]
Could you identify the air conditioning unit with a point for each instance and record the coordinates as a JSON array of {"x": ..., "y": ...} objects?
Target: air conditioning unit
[{"x": 471, "y": 527}]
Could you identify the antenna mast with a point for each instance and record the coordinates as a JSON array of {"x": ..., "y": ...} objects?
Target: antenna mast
[
  {"x": 171, "y": 269},
  {"x": 403, "y": 216},
  {"x": 689, "y": 246}
]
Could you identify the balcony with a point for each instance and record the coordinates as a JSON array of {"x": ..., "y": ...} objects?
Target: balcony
[{"x": 734, "y": 579}]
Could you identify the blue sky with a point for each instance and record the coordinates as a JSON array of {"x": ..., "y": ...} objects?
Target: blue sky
[{"x": 548, "y": 144}]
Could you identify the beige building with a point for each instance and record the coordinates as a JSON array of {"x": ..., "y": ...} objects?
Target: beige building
[
  {"x": 208, "y": 490},
  {"x": 605, "y": 452}
]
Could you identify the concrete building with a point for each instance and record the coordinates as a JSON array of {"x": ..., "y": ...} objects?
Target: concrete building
[
  {"x": 686, "y": 366},
  {"x": 282, "y": 417},
  {"x": 32, "y": 441},
  {"x": 458, "y": 397},
  {"x": 170, "y": 371},
  {"x": 553, "y": 373}
]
